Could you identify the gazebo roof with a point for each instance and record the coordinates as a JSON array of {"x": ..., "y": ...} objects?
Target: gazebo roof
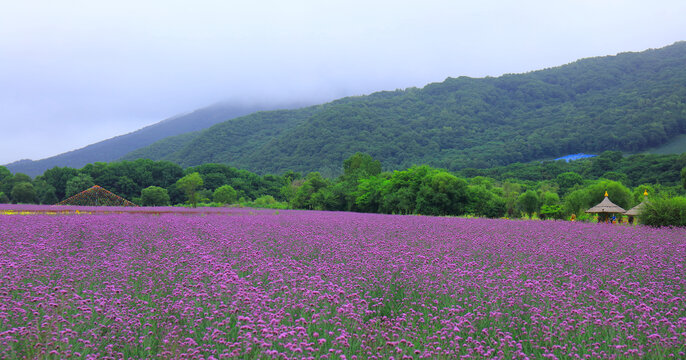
[
  {"x": 636, "y": 210},
  {"x": 606, "y": 206}
]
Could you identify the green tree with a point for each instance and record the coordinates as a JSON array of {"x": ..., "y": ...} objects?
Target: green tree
[
  {"x": 442, "y": 193},
  {"x": 213, "y": 181},
  {"x": 126, "y": 187},
  {"x": 4, "y": 173},
  {"x": 618, "y": 193},
  {"x": 290, "y": 189},
  {"x": 204, "y": 195},
  {"x": 356, "y": 167},
  {"x": 683, "y": 178},
  {"x": 481, "y": 201},
  {"x": 528, "y": 202},
  {"x": 225, "y": 194},
  {"x": 665, "y": 212},
  {"x": 400, "y": 194},
  {"x": 550, "y": 206},
  {"x": 582, "y": 199},
  {"x": 576, "y": 202},
  {"x": 616, "y": 176},
  {"x": 550, "y": 198},
  {"x": 45, "y": 192},
  {"x": 568, "y": 180},
  {"x": 78, "y": 184},
  {"x": 369, "y": 193},
  {"x": 511, "y": 191},
  {"x": 7, "y": 184},
  {"x": 190, "y": 184},
  {"x": 325, "y": 199},
  {"x": 176, "y": 195},
  {"x": 552, "y": 212},
  {"x": 304, "y": 198},
  {"x": 3, "y": 198},
  {"x": 24, "y": 193},
  {"x": 58, "y": 177},
  {"x": 265, "y": 201},
  {"x": 154, "y": 196},
  {"x": 361, "y": 165},
  {"x": 607, "y": 161}
]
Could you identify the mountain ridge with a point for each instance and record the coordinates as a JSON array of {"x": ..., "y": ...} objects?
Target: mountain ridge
[{"x": 629, "y": 102}]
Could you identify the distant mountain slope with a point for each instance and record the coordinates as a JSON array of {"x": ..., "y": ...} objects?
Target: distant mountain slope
[
  {"x": 228, "y": 139},
  {"x": 628, "y": 102},
  {"x": 161, "y": 148},
  {"x": 116, "y": 147}
]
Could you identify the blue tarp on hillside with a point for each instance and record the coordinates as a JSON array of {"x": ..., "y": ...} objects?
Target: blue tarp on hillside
[{"x": 572, "y": 157}]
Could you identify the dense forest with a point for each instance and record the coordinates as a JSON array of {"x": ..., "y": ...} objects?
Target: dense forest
[
  {"x": 628, "y": 102},
  {"x": 549, "y": 189}
]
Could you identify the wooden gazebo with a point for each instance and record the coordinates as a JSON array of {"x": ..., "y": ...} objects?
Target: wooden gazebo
[{"x": 605, "y": 208}]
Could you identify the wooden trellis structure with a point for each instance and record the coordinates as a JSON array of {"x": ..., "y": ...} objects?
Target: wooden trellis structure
[{"x": 96, "y": 196}]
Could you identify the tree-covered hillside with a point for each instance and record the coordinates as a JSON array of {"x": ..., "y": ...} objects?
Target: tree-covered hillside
[{"x": 627, "y": 102}]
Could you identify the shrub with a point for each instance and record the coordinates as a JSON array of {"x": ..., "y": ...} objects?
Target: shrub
[
  {"x": 528, "y": 202},
  {"x": 24, "y": 193},
  {"x": 154, "y": 196},
  {"x": 78, "y": 184},
  {"x": 225, "y": 194},
  {"x": 665, "y": 212},
  {"x": 268, "y": 201},
  {"x": 552, "y": 212}
]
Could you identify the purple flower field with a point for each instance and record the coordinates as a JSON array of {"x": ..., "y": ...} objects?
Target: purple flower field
[{"x": 299, "y": 284}]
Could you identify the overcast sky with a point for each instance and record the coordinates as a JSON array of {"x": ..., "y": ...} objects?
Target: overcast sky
[{"x": 76, "y": 72}]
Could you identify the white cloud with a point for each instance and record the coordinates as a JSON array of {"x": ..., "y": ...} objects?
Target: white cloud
[{"x": 107, "y": 67}]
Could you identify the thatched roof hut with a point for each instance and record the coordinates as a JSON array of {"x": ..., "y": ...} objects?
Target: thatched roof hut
[
  {"x": 606, "y": 207},
  {"x": 636, "y": 210}
]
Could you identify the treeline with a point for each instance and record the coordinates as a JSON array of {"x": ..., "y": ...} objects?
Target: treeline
[
  {"x": 129, "y": 178},
  {"x": 557, "y": 192},
  {"x": 544, "y": 189},
  {"x": 632, "y": 170}
]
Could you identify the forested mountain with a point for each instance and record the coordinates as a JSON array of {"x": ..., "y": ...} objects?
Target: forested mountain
[
  {"x": 232, "y": 138},
  {"x": 116, "y": 147},
  {"x": 627, "y": 102}
]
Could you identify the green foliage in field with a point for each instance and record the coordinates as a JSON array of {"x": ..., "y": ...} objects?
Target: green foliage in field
[
  {"x": 225, "y": 194},
  {"x": 190, "y": 184},
  {"x": 528, "y": 202},
  {"x": 78, "y": 184},
  {"x": 154, "y": 196},
  {"x": 665, "y": 212},
  {"x": 547, "y": 190},
  {"x": 24, "y": 192},
  {"x": 4, "y": 172}
]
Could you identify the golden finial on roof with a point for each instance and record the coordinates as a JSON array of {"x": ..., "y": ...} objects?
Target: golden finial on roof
[
  {"x": 606, "y": 193},
  {"x": 645, "y": 193}
]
